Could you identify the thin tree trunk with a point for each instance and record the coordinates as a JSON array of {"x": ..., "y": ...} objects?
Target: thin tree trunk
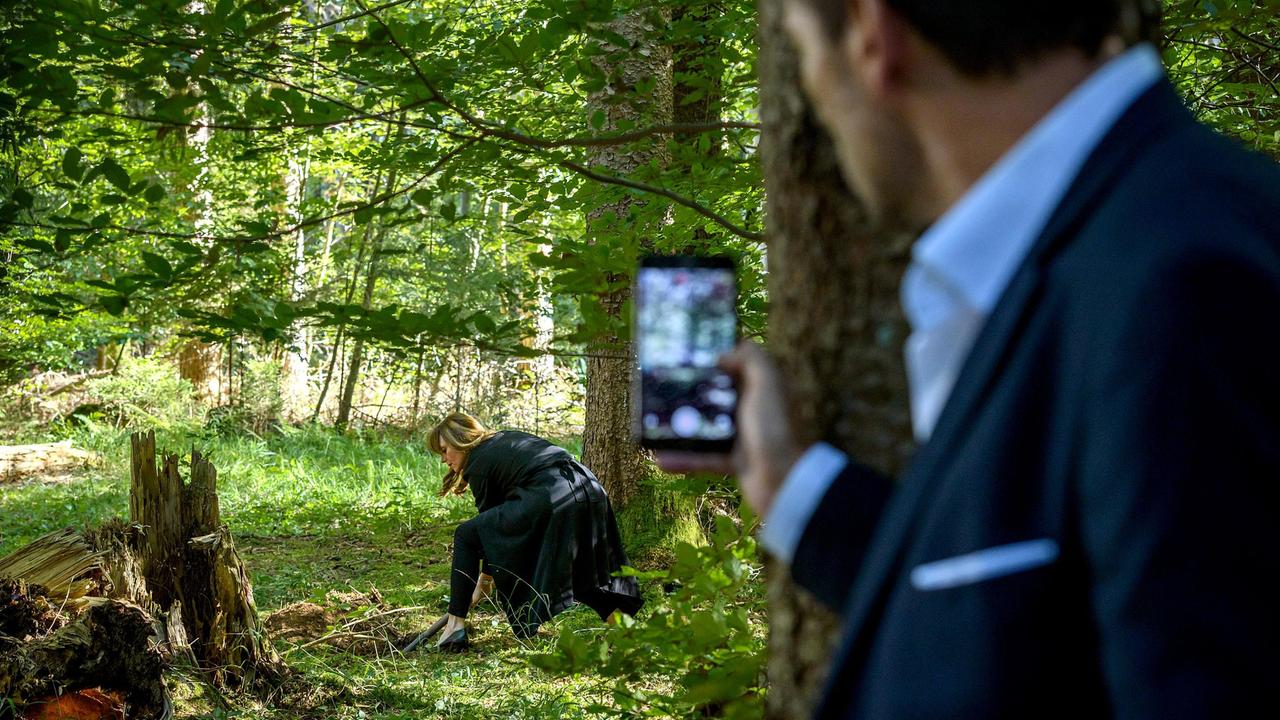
[
  {"x": 328, "y": 376},
  {"x": 457, "y": 379},
  {"x": 417, "y": 387},
  {"x": 357, "y": 351},
  {"x": 371, "y": 280},
  {"x": 836, "y": 329}
]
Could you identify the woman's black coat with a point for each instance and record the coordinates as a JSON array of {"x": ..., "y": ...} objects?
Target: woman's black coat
[{"x": 547, "y": 531}]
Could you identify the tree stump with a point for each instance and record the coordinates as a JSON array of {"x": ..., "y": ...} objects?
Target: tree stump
[
  {"x": 89, "y": 619},
  {"x": 192, "y": 569}
]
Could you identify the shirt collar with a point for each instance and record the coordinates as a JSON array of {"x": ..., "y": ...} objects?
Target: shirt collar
[{"x": 975, "y": 247}]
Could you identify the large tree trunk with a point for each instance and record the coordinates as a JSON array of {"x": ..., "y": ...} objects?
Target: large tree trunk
[
  {"x": 607, "y": 445},
  {"x": 836, "y": 328}
]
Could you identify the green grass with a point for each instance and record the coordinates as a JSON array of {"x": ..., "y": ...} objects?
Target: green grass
[{"x": 313, "y": 512}]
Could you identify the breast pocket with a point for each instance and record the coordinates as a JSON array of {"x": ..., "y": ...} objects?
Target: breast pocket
[{"x": 985, "y": 564}]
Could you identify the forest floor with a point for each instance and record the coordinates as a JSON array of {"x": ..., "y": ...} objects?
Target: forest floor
[{"x": 314, "y": 514}]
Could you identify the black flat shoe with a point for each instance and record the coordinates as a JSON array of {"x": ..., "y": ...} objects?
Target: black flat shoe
[{"x": 455, "y": 643}]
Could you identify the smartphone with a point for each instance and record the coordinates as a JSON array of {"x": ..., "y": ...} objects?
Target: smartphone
[{"x": 685, "y": 319}]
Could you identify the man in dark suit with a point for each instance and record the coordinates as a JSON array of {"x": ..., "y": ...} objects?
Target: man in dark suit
[{"x": 1091, "y": 525}]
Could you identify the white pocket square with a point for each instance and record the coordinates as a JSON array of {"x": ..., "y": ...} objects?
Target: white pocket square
[{"x": 985, "y": 564}]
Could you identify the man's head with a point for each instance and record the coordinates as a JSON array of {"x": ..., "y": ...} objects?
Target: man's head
[{"x": 887, "y": 76}]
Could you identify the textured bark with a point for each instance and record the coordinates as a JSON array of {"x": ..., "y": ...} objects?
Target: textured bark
[
  {"x": 836, "y": 328},
  {"x": 697, "y": 65},
  {"x": 192, "y": 569},
  {"x": 607, "y": 444}
]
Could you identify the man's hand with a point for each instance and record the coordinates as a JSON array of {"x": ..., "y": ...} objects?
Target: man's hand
[
  {"x": 765, "y": 449},
  {"x": 484, "y": 587}
]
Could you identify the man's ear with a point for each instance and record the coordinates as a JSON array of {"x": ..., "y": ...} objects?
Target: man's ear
[{"x": 875, "y": 45}]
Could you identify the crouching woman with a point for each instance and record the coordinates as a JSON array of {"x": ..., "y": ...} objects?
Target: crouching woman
[{"x": 544, "y": 535}]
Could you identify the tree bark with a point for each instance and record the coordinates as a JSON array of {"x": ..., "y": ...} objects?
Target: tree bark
[
  {"x": 607, "y": 444},
  {"x": 835, "y": 327}
]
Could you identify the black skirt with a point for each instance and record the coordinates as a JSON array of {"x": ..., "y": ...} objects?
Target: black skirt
[{"x": 548, "y": 533}]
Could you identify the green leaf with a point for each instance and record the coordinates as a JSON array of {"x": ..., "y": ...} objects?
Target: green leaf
[
  {"x": 154, "y": 194},
  {"x": 22, "y": 198},
  {"x": 62, "y": 240},
  {"x": 483, "y": 323},
  {"x": 157, "y": 265},
  {"x": 114, "y": 304},
  {"x": 115, "y": 174},
  {"x": 267, "y": 23},
  {"x": 71, "y": 163},
  {"x": 597, "y": 119},
  {"x": 34, "y": 244}
]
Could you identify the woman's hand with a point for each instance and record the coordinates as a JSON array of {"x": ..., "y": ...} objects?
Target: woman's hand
[{"x": 484, "y": 588}]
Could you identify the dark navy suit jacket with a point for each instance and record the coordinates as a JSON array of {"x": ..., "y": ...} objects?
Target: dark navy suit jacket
[{"x": 1121, "y": 409}]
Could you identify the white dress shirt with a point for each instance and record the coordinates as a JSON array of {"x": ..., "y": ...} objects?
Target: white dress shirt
[{"x": 961, "y": 265}]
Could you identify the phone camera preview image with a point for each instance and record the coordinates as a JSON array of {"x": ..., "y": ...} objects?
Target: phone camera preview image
[{"x": 685, "y": 320}]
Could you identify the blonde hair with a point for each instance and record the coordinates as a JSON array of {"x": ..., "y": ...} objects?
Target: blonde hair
[{"x": 462, "y": 432}]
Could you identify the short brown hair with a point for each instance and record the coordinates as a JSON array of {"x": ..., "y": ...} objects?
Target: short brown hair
[{"x": 986, "y": 37}]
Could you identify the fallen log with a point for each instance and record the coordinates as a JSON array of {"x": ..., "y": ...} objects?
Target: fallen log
[
  {"x": 23, "y": 461},
  {"x": 111, "y": 645}
]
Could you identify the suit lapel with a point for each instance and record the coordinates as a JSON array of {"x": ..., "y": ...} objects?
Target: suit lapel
[{"x": 1153, "y": 112}]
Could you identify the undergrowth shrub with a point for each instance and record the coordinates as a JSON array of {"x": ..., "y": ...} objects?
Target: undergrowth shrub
[
  {"x": 258, "y": 405},
  {"x": 146, "y": 393},
  {"x": 707, "y": 635}
]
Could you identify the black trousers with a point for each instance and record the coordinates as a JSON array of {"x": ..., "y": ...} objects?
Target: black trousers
[{"x": 467, "y": 557}]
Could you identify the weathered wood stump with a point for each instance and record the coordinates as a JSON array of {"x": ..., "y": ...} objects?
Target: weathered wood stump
[
  {"x": 192, "y": 568},
  {"x": 99, "y": 612}
]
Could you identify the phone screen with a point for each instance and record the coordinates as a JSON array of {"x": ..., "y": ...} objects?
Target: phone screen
[{"x": 686, "y": 318}]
